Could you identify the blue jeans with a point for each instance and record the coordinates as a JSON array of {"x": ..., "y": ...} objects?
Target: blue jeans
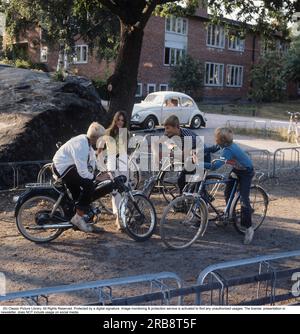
[{"x": 245, "y": 179}]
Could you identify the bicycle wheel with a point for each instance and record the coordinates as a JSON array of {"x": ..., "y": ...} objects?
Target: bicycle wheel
[
  {"x": 183, "y": 221},
  {"x": 168, "y": 181},
  {"x": 45, "y": 174},
  {"x": 33, "y": 213},
  {"x": 138, "y": 217},
  {"x": 259, "y": 203}
]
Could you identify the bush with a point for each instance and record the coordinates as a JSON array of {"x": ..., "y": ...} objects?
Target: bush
[
  {"x": 59, "y": 76},
  {"x": 101, "y": 87},
  {"x": 21, "y": 63},
  {"x": 269, "y": 79},
  {"x": 187, "y": 77},
  {"x": 40, "y": 67}
]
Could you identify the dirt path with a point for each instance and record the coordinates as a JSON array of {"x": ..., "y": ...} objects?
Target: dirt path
[{"x": 77, "y": 257}]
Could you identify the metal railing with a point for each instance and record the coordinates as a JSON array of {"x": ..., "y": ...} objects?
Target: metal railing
[
  {"x": 156, "y": 281},
  {"x": 214, "y": 271},
  {"x": 16, "y": 167},
  {"x": 166, "y": 293},
  {"x": 286, "y": 159}
]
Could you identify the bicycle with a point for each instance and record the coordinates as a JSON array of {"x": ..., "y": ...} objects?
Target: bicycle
[
  {"x": 44, "y": 211},
  {"x": 293, "y": 135},
  {"x": 186, "y": 218}
]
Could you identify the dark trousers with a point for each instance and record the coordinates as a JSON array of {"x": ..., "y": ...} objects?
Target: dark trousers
[
  {"x": 81, "y": 189},
  {"x": 182, "y": 179},
  {"x": 244, "y": 179}
]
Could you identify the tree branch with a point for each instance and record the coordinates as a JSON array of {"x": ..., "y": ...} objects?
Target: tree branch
[{"x": 112, "y": 6}]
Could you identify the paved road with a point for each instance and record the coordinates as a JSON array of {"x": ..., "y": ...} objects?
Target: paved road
[{"x": 216, "y": 120}]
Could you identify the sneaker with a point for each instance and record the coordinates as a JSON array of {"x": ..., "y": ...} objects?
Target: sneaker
[
  {"x": 249, "y": 235},
  {"x": 79, "y": 222}
]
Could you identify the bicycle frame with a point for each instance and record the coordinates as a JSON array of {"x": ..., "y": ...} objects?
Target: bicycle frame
[{"x": 227, "y": 209}]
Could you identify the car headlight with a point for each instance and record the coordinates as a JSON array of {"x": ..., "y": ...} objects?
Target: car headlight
[{"x": 136, "y": 117}]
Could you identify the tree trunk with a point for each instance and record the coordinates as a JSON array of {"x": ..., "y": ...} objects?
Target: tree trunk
[
  {"x": 123, "y": 82},
  {"x": 60, "y": 60}
]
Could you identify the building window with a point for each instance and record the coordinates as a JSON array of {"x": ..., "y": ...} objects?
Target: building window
[
  {"x": 44, "y": 54},
  {"x": 176, "y": 25},
  {"x": 236, "y": 43},
  {"x": 173, "y": 56},
  {"x": 234, "y": 76},
  {"x": 214, "y": 74},
  {"x": 151, "y": 88},
  {"x": 81, "y": 54},
  {"x": 282, "y": 47},
  {"x": 215, "y": 36},
  {"x": 139, "y": 90},
  {"x": 163, "y": 87}
]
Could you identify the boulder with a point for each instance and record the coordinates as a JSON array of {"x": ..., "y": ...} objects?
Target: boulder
[{"x": 36, "y": 112}]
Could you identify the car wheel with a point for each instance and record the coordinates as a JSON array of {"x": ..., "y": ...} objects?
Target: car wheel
[
  {"x": 196, "y": 122},
  {"x": 149, "y": 123}
]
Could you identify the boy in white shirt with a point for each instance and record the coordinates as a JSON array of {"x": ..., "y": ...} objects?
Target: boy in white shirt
[{"x": 75, "y": 162}]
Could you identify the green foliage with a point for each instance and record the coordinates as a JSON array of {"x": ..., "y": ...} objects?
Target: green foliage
[
  {"x": 59, "y": 76},
  {"x": 22, "y": 63},
  {"x": 187, "y": 76},
  {"x": 293, "y": 61},
  {"x": 101, "y": 87},
  {"x": 269, "y": 78}
]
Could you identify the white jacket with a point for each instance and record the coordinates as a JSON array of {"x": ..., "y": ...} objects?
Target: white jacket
[{"x": 76, "y": 152}]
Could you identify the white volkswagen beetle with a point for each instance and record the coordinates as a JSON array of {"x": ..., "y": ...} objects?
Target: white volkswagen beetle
[{"x": 158, "y": 106}]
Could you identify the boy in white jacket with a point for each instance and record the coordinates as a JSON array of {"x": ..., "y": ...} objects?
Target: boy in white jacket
[{"x": 75, "y": 163}]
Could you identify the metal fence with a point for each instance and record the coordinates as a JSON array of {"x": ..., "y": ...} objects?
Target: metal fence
[
  {"x": 102, "y": 288},
  {"x": 286, "y": 159},
  {"x": 15, "y": 172},
  {"x": 165, "y": 293}
]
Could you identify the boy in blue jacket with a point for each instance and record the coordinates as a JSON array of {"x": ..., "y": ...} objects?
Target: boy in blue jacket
[{"x": 232, "y": 154}]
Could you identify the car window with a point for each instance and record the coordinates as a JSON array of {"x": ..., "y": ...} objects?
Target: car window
[
  {"x": 186, "y": 102},
  {"x": 172, "y": 102},
  {"x": 154, "y": 98}
]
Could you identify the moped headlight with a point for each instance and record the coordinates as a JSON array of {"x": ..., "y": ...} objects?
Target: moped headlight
[{"x": 15, "y": 199}]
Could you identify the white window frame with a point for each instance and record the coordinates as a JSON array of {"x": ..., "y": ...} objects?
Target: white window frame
[
  {"x": 178, "y": 21},
  {"x": 219, "y": 65},
  {"x": 182, "y": 54},
  {"x": 164, "y": 85},
  {"x": 151, "y": 85},
  {"x": 233, "y": 40},
  {"x": 212, "y": 38},
  {"x": 139, "y": 89},
  {"x": 44, "y": 60},
  {"x": 81, "y": 46},
  {"x": 228, "y": 71}
]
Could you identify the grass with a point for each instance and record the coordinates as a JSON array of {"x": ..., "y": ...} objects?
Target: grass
[
  {"x": 266, "y": 110},
  {"x": 274, "y": 134}
]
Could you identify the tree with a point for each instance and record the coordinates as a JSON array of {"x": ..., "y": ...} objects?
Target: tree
[
  {"x": 269, "y": 78},
  {"x": 293, "y": 61},
  {"x": 187, "y": 76}
]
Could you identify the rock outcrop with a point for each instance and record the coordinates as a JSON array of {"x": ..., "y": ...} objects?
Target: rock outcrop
[{"x": 36, "y": 112}]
